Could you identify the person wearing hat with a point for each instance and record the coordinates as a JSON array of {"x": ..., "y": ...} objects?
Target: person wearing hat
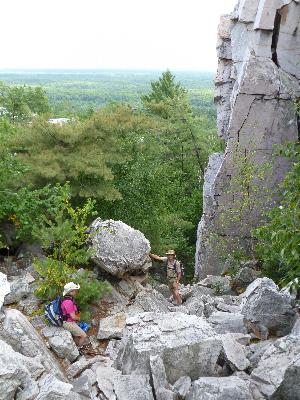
[
  {"x": 173, "y": 273},
  {"x": 70, "y": 312}
]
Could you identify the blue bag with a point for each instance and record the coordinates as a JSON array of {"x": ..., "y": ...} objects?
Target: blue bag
[
  {"x": 84, "y": 326},
  {"x": 53, "y": 312}
]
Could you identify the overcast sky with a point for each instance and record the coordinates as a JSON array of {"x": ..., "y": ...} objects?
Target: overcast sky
[{"x": 118, "y": 34}]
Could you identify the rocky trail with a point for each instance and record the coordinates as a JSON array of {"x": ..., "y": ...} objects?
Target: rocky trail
[
  {"x": 216, "y": 345},
  {"x": 234, "y": 337}
]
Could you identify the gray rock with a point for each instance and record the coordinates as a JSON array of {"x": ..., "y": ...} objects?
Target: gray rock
[
  {"x": 234, "y": 353},
  {"x": 18, "y": 374},
  {"x": 162, "y": 388},
  {"x": 182, "y": 386},
  {"x": 112, "y": 327},
  {"x": 4, "y": 288},
  {"x": 224, "y": 322},
  {"x": 17, "y": 331},
  {"x": 53, "y": 389},
  {"x": 133, "y": 387},
  {"x": 195, "y": 306},
  {"x": 61, "y": 342},
  {"x": 296, "y": 328},
  {"x": 243, "y": 278},
  {"x": 227, "y": 388},
  {"x": 256, "y": 350},
  {"x": 29, "y": 305},
  {"x": 119, "y": 249},
  {"x": 106, "y": 378},
  {"x": 149, "y": 301},
  {"x": 19, "y": 288},
  {"x": 265, "y": 306},
  {"x": 187, "y": 345},
  {"x": 219, "y": 284},
  {"x": 274, "y": 363},
  {"x": 112, "y": 349},
  {"x": 83, "y": 385},
  {"x": 290, "y": 386},
  {"x": 82, "y": 364}
]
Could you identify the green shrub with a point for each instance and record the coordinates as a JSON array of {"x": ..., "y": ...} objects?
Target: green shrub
[{"x": 279, "y": 239}]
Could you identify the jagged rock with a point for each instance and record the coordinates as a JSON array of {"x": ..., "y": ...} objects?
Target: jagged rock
[
  {"x": 163, "y": 289},
  {"x": 61, "y": 341},
  {"x": 256, "y": 350},
  {"x": 234, "y": 353},
  {"x": 19, "y": 288},
  {"x": 290, "y": 386},
  {"x": 182, "y": 386},
  {"x": 17, "y": 331},
  {"x": 278, "y": 369},
  {"x": 195, "y": 306},
  {"x": 106, "y": 378},
  {"x": 219, "y": 284},
  {"x": 112, "y": 349},
  {"x": 82, "y": 364},
  {"x": 296, "y": 328},
  {"x": 263, "y": 305},
  {"x": 186, "y": 343},
  {"x": 29, "y": 305},
  {"x": 224, "y": 322},
  {"x": 116, "y": 300},
  {"x": 4, "y": 288},
  {"x": 243, "y": 278},
  {"x": 127, "y": 288},
  {"x": 147, "y": 301},
  {"x": 227, "y": 388},
  {"x": 54, "y": 389},
  {"x": 133, "y": 387},
  {"x": 162, "y": 388},
  {"x": 18, "y": 374},
  {"x": 83, "y": 385},
  {"x": 119, "y": 249},
  {"x": 112, "y": 327}
]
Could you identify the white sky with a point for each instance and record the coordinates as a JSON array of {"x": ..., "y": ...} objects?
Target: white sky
[{"x": 102, "y": 34}]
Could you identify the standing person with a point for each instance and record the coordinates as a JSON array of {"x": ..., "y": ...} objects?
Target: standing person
[
  {"x": 173, "y": 273},
  {"x": 71, "y": 315}
]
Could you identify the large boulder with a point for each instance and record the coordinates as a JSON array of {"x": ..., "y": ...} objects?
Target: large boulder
[
  {"x": 118, "y": 248},
  {"x": 133, "y": 387},
  {"x": 278, "y": 370},
  {"x": 18, "y": 374},
  {"x": 227, "y": 388},
  {"x": 162, "y": 388},
  {"x": 149, "y": 301},
  {"x": 17, "y": 331},
  {"x": 187, "y": 344},
  {"x": 61, "y": 342},
  {"x": 268, "y": 309},
  {"x": 4, "y": 288}
]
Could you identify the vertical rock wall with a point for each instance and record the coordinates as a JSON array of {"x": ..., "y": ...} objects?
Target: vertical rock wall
[{"x": 257, "y": 84}]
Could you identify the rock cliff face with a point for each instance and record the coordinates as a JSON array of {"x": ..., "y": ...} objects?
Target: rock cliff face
[{"x": 257, "y": 84}]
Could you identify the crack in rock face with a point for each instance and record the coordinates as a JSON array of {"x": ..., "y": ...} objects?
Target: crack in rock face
[{"x": 257, "y": 84}]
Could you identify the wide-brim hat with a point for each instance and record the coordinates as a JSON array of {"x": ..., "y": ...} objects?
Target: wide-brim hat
[
  {"x": 170, "y": 253},
  {"x": 69, "y": 287}
]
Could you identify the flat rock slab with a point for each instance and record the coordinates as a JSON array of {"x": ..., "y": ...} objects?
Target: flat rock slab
[
  {"x": 112, "y": 327},
  {"x": 118, "y": 248},
  {"x": 187, "y": 344},
  {"x": 224, "y": 322},
  {"x": 227, "y": 388}
]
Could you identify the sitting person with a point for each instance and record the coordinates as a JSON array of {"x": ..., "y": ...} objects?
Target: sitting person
[{"x": 71, "y": 315}]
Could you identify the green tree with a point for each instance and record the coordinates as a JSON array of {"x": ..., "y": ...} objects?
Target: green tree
[
  {"x": 19, "y": 103},
  {"x": 279, "y": 239}
]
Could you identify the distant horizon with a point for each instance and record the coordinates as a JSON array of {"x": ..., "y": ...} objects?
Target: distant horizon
[{"x": 4, "y": 70}]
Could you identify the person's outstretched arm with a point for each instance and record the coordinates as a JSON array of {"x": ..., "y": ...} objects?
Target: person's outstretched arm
[{"x": 156, "y": 257}]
